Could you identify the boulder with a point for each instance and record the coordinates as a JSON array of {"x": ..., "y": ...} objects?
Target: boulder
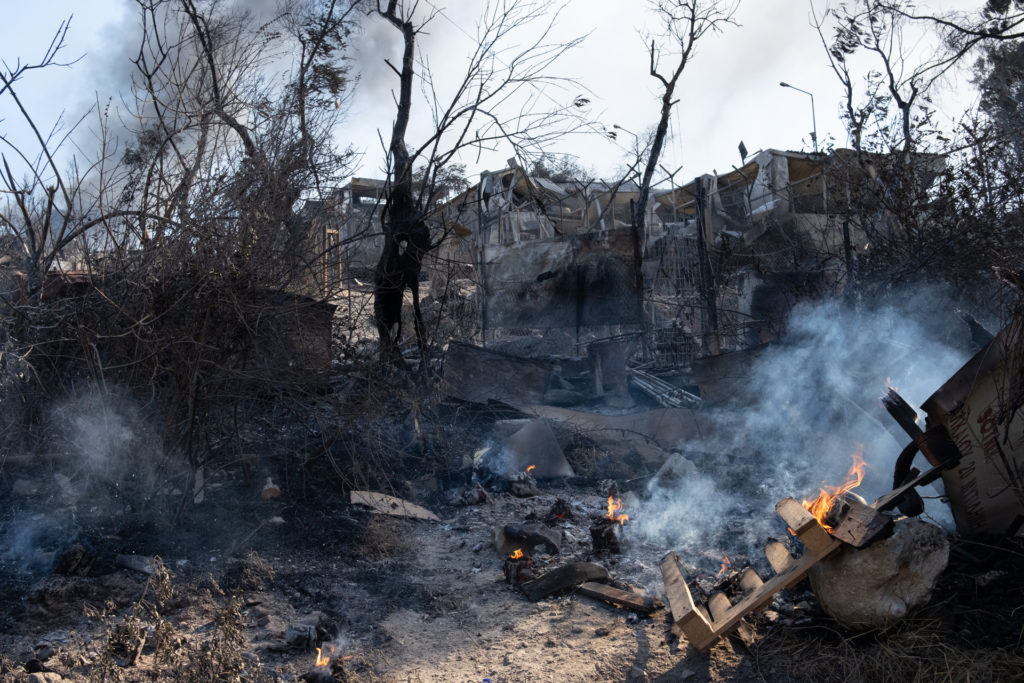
[{"x": 877, "y": 586}]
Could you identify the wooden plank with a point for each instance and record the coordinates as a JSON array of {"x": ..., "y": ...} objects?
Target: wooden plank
[
  {"x": 861, "y": 524},
  {"x": 807, "y": 528},
  {"x": 563, "y": 578},
  {"x": 719, "y": 606},
  {"x": 749, "y": 580},
  {"x": 685, "y": 617},
  {"x": 778, "y": 556},
  {"x": 702, "y": 634},
  {"x": 763, "y": 595},
  {"x": 795, "y": 515},
  {"x": 636, "y": 602},
  {"x": 389, "y": 505},
  {"x": 691, "y": 620}
]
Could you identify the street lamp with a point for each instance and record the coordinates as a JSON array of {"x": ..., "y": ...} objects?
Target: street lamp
[
  {"x": 814, "y": 120},
  {"x": 635, "y": 136}
]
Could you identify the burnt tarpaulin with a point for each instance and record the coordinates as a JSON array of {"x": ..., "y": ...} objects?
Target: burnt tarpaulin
[{"x": 580, "y": 280}]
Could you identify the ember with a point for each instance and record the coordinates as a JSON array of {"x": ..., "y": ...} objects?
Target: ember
[{"x": 820, "y": 506}]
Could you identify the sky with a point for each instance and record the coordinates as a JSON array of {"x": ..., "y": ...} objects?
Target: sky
[{"x": 729, "y": 93}]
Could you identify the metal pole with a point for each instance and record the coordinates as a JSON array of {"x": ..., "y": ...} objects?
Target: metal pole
[{"x": 814, "y": 118}]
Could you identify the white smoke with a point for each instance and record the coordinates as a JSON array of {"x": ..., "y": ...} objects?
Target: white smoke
[
  {"x": 107, "y": 450},
  {"x": 810, "y": 403}
]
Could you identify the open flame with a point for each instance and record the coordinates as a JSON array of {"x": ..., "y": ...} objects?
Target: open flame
[
  {"x": 726, "y": 563},
  {"x": 530, "y": 468},
  {"x": 614, "y": 505},
  {"x": 820, "y": 506},
  {"x": 322, "y": 660},
  {"x": 517, "y": 554}
]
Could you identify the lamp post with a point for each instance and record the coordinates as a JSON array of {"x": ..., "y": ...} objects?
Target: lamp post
[
  {"x": 636, "y": 141},
  {"x": 814, "y": 120},
  {"x": 626, "y": 130}
]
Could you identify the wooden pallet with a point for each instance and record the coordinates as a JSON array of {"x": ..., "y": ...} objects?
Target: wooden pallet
[{"x": 703, "y": 625}]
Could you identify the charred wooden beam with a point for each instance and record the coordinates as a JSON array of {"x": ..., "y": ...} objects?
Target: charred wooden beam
[
  {"x": 604, "y": 534},
  {"x": 980, "y": 337},
  {"x": 902, "y": 412},
  {"x": 635, "y": 602},
  {"x": 564, "y": 578}
]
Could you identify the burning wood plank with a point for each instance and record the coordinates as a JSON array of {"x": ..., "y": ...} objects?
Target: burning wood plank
[
  {"x": 835, "y": 518},
  {"x": 857, "y": 523},
  {"x": 703, "y": 626}
]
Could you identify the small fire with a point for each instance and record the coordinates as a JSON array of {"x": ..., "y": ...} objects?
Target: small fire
[
  {"x": 517, "y": 554},
  {"x": 726, "y": 563},
  {"x": 614, "y": 505},
  {"x": 530, "y": 468},
  {"x": 820, "y": 506},
  {"x": 323, "y": 660}
]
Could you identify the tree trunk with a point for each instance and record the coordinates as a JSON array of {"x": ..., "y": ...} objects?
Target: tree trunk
[{"x": 406, "y": 236}]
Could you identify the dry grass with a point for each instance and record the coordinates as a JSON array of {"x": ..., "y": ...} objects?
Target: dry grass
[
  {"x": 383, "y": 538},
  {"x": 922, "y": 650},
  {"x": 173, "y": 654}
]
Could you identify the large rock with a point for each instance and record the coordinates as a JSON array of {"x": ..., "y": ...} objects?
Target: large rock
[{"x": 879, "y": 585}]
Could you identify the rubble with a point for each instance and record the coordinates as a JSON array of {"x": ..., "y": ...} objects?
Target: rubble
[
  {"x": 509, "y": 537},
  {"x": 523, "y": 485}
]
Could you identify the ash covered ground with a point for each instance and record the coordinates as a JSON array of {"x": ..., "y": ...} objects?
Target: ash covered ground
[
  {"x": 254, "y": 585},
  {"x": 122, "y": 563}
]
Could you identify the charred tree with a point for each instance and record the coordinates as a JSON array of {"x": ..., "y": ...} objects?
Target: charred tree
[
  {"x": 406, "y": 235},
  {"x": 684, "y": 22},
  {"x": 504, "y": 72}
]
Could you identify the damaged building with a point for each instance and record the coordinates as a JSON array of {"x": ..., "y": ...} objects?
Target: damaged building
[
  {"x": 722, "y": 261},
  {"x": 346, "y": 229},
  {"x": 552, "y": 266}
]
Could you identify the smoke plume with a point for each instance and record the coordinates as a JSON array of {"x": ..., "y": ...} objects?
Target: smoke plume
[{"x": 808, "y": 405}]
